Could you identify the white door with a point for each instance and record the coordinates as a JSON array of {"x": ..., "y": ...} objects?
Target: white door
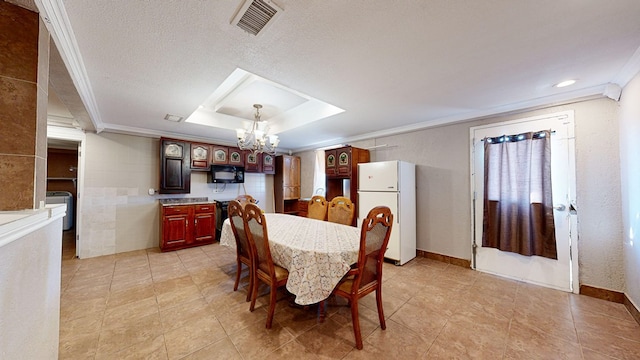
[
  {"x": 561, "y": 273},
  {"x": 369, "y": 200}
]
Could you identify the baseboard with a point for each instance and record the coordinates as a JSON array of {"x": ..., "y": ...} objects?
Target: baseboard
[
  {"x": 444, "y": 258},
  {"x": 603, "y": 294},
  {"x": 632, "y": 309}
]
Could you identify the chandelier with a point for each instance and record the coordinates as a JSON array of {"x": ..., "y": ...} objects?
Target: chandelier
[{"x": 255, "y": 138}]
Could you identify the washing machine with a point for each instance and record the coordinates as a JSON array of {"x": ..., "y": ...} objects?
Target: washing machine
[{"x": 62, "y": 197}]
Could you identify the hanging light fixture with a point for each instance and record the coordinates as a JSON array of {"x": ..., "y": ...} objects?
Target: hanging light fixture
[{"x": 256, "y": 139}]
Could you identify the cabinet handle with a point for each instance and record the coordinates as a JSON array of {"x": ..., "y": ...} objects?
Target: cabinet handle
[{"x": 196, "y": 222}]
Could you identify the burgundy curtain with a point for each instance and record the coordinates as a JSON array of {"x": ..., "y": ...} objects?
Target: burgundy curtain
[{"x": 518, "y": 208}]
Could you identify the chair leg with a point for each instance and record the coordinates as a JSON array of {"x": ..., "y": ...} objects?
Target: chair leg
[
  {"x": 356, "y": 323},
  {"x": 254, "y": 294},
  {"x": 322, "y": 310},
  {"x": 272, "y": 305},
  {"x": 383, "y": 325},
  {"x": 250, "y": 287},
  {"x": 235, "y": 286}
]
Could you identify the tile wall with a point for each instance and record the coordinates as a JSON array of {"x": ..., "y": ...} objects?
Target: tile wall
[{"x": 23, "y": 100}]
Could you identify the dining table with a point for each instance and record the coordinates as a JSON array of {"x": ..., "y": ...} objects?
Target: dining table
[{"x": 316, "y": 253}]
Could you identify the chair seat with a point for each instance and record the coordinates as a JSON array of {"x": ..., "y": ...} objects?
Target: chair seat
[{"x": 281, "y": 273}]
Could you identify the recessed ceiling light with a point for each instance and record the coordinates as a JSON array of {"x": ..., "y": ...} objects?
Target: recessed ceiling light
[
  {"x": 174, "y": 118},
  {"x": 565, "y": 83}
]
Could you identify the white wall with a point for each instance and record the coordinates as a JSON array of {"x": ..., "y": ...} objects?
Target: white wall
[
  {"x": 30, "y": 292},
  {"x": 118, "y": 215},
  {"x": 630, "y": 178},
  {"x": 443, "y": 196}
]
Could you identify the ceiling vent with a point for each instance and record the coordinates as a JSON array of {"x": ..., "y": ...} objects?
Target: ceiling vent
[{"x": 255, "y": 15}]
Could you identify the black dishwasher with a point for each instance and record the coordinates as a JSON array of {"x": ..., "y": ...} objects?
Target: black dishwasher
[{"x": 221, "y": 214}]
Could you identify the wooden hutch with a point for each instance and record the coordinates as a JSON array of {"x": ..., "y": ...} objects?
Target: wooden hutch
[{"x": 341, "y": 169}]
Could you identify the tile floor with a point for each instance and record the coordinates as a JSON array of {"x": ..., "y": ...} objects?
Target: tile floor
[{"x": 181, "y": 305}]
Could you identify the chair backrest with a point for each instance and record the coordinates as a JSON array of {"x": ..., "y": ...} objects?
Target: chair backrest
[
  {"x": 317, "y": 208},
  {"x": 256, "y": 227},
  {"x": 341, "y": 210},
  {"x": 245, "y": 199},
  {"x": 236, "y": 217},
  {"x": 374, "y": 238}
]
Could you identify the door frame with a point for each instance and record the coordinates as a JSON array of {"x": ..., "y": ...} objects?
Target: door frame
[
  {"x": 573, "y": 221},
  {"x": 78, "y": 136}
]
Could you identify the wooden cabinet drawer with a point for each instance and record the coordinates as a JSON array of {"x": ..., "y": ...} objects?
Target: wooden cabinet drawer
[
  {"x": 175, "y": 210},
  {"x": 205, "y": 208}
]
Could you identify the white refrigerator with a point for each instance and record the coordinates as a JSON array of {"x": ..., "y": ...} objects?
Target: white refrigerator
[{"x": 392, "y": 184}]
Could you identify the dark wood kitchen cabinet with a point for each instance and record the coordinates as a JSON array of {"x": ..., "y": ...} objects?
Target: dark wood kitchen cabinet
[
  {"x": 268, "y": 164},
  {"x": 175, "y": 167},
  {"x": 184, "y": 226},
  {"x": 220, "y": 155},
  {"x": 236, "y": 157},
  {"x": 252, "y": 162},
  {"x": 200, "y": 154}
]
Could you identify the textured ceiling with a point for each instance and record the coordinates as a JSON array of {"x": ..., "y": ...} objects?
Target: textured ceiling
[{"x": 391, "y": 65}]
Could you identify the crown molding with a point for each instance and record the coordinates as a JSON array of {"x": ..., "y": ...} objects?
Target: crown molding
[
  {"x": 629, "y": 70},
  {"x": 529, "y": 105},
  {"x": 55, "y": 17}
]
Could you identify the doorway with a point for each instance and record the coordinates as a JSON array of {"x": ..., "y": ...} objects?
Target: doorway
[
  {"x": 560, "y": 273},
  {"x": 65, "y": 171}
]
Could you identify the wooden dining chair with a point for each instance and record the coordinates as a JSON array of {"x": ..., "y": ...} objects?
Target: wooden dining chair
[
  {"x": 317, "y": 208},
  {"x": 246, "y": 199},
  {"x": 243, "y": 250},
  {"x": 366, "y": 277},
  {"x": 341, "y": 210},
  {"x": 265, "y": 270}
]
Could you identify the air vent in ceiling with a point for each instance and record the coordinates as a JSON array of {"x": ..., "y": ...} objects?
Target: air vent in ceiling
[{"x": 255, "y": 15}]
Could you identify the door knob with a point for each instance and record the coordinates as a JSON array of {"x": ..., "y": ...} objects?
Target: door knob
[{"x": 560, "y": 207}]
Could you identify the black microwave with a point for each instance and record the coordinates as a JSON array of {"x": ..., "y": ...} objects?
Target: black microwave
[{"x": 226, "y": 174}]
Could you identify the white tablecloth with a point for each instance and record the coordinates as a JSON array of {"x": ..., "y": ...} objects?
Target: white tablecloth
[{"x": 316, "y": 253}]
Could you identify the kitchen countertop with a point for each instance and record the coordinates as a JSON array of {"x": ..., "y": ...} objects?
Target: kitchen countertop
[{"x": 184, "y": 201}]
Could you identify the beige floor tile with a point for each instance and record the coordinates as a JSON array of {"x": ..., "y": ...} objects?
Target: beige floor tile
[
  {"x": 90, "y": 324},
  {"x": 327, "y": 339},
  {"x": 149, "y": 304},
  {"x": 237, "y": 317},
  {"x": 128, "y": 314},
  {"x": 609, "y": 344},
  {"x": 115, "y": 338},
  {"x": 80, "y": 346},
  {"x": 390, "y": 303},
  {"x": 297, "y": 319},
  {"x": 181, "y": 314},
  {"x": 119, "y": 297},
  {"x": 604, "y": 324},
  {"x": 467, "y": 338},
  {"x": 152, "y": 349},
  {"x": 294, "y": 350},
  {"x": 580, "y": 303},
  {"x": 395, "y": 342},
  {"x": 72, "y": 309},
  {"x": 193, "y": 336},
  {"x": 257, "y": 342},
  {"x": 221, "y": 349},
  {"x": 544, "y": 323},
  {"x": 527, "y": 343},
  {"x": 179, "y": 296},
  {"x": 425, "y": 322}
]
